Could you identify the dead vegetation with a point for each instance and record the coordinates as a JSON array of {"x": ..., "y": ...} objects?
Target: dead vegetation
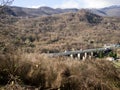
[
  {"x": 22, "y": 67},
  {"x": 67, "y": 31},
  {"x": 57, "y": 33},
  {"x": 22, "y": 71}
]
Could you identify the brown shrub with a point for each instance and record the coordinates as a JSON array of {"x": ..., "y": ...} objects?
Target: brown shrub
[{"x": 59, "y": 73}]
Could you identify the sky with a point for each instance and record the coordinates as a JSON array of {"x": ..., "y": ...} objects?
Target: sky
[{"x": 66, "y": 3}]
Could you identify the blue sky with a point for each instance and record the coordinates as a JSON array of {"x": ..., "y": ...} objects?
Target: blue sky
[{"x": 66, "y": 3}]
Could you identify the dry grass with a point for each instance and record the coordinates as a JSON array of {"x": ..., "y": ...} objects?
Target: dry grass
[
  {"x": 58, "y": 32},
  {"x": 72, "y": 30},
  {"x": 39, "y": 71},
  {"x": 21, "y": 71}
]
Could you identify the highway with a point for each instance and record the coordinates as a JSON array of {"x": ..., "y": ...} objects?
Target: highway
[{"x": 67, "y": 53}]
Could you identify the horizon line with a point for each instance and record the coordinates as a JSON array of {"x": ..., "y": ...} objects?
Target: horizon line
[{"x": 63, "y": 8}]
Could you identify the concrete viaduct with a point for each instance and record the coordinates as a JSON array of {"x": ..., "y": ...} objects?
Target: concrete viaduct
[{"x": 86, "y": 54}]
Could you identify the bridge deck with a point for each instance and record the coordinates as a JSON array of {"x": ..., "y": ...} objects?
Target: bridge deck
[
  {"x": 77, "y": 52},
  {"x": 81, "y": 51}
]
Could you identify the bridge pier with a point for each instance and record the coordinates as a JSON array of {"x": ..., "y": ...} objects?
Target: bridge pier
[
  {"x": 79, "y": 56},
  {"x": 91, "y": 55},
  {"x": 71, "y": 55},
  {"x": 83, "y": 58},
  {"x": 85, "y": 55}
]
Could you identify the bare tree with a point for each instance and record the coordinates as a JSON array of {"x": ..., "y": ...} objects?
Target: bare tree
[{"x": 4, "y": 3}]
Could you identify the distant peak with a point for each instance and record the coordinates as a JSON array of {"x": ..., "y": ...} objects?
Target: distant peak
[
  {"x": 84, "y": 12},
  {"x": 45, "y": 7},
  {"x": 89, "y": 17}
]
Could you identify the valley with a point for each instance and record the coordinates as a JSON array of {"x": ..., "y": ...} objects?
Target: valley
[{"x": 28, "y": 36}]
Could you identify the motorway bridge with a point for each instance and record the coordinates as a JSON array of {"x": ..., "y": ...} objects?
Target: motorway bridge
[{"x": 88, "y": 53}]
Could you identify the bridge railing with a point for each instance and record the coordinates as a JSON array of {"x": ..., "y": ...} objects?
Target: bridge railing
[{"x": 67, "y": 53}]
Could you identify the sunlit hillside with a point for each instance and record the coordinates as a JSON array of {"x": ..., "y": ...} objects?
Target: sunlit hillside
[
  {"x": 62, "y": 32},
  {"x": 25, "y": 44}
]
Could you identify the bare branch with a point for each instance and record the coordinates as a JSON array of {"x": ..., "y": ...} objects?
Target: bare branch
[{"x": 4, "y": 3}]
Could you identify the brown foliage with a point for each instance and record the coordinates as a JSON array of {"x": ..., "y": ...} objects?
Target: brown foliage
[{"x": 40, "y": 71}]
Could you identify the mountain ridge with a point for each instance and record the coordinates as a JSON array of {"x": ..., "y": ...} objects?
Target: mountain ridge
[
  {"x": 32, "y": 12},
  {"x": 112, "y": 11},
  {"x": 60, "y": 32}
]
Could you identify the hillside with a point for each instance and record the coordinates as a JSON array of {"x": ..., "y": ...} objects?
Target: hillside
[
  {"x": 30, "y": 12},
  {"x": 25, "y": 42},
  {"x": 63, "y": 32},
  {"x": 112, "y": 11}
]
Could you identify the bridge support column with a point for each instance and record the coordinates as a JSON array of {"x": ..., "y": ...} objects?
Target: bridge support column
[
  {"x": 71, "y": 55},
  {"x": 91, "y": 55},
  {"x": 85, "y": 56},
  {"x": 79, "y": 56}
]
